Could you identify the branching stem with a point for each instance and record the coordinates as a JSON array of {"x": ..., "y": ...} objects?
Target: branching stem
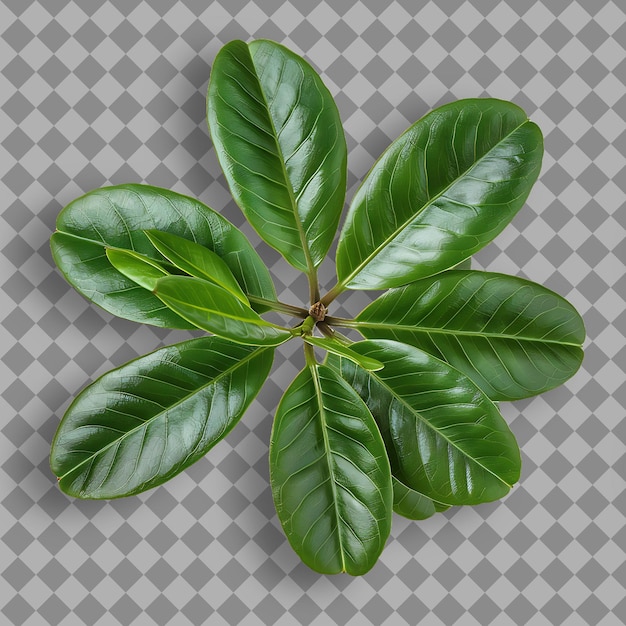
[
  {"x": 314, "y": 290},
  {"x": 332, "y": 294},
  {"x": 309, "y": 354},
  {"x": 341, "y": 321}
]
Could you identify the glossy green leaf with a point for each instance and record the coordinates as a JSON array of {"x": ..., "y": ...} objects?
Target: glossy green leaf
[
  {"x": 443, "y": 190},
  {"x": 141, "y": 424},
  {"x": 512, "y": 337},
  {"x": 444, "y": 437},
  {"x": 330, "y": 474},
  {"x": 115, "y": 217},
  {"x": 212, "y": 308},
  {"x": 196, "y": 260},
  {"x": 139, "y": 268},
  {"x": 279, "y": 140},
  {"x": 334, "y": 346}
]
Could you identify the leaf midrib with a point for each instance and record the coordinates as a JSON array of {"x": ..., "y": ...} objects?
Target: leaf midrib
[
  {"x": 288, "y": 185},
  {"x": 433, "y": 428},
  {"x": 106, "y": 246},
  {"x": 246, "y": 320},
  {"x": 314, "y": 369},
  {"x": 359, "y": 268},
  {"x": 200, "y": 270},
  {"x": 465, "y": 333},
  {"x": 166, "y": 410}
]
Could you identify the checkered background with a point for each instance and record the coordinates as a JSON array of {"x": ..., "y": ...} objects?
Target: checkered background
[{"x": 97, "y": 93}]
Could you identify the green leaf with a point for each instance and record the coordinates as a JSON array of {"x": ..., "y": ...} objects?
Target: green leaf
[
  {"x": 115, "y": 217},
  {"x": 196, "y": 260},
  {"x": 443, "y": 190},
  {"x": 139, "y": 268},
  {"x": 141, "y": 424},
  {"x": 279, "y": 140},
  {"x": 212, "y": 308},
  {"x": 410, "y": 503},
  {"x": 334, "y": 346},
  {"x": 330, "y": 474},
  {"x": 512, "y": 337},
  {"x": 444, "y": 437}
]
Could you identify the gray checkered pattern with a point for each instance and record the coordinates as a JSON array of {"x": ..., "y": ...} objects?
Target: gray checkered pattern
[{"x": 96, "y": 93}]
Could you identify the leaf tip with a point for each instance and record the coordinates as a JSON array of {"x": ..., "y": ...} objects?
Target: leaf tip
[{"x": 376, "y": 367}]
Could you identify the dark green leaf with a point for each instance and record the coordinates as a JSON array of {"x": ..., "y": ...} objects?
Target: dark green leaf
[
  {"x": 140, "y": 425},
  {"x": 115, "y": 217},
  {"x": 334, "y": 346},
  {"x": 139, "y": 268},
  {"x": 512, "y": 337},
  {"x": 196, "y": 260},
  {"x": 444, "y": 437},
  {"x": 212, "y": 308},
  {"x": 443, "y": 190},
  {"x": 330, "y": 474},
  {"x": 279, "y": 139}
]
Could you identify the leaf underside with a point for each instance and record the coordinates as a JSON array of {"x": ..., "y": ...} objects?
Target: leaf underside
[
  {"x": 412, "y": 504},
  {"x": 330, "y": 475},
  {"x": 141, "y": 424},
  {"x": 445, "y": 439},
  {"x": 512, "y": 337}
]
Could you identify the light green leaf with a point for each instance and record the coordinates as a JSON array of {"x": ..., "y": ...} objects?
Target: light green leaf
[
  {"x": 334, "y": 346},
  {"x": 445, "y": 439},
  {"x": 442, "y": 191},
  {"x": 512, "y": 337},
  {"x": 279, "y": 140},
  {"x": 141, "y": 424},
  {"x": 115, "y": 217},
  {"x": 139, "y": 268},
  {"x": 330, "y": 474},
  {"x": 212, "y": 308},
  {"x": 196, "y": 260}
]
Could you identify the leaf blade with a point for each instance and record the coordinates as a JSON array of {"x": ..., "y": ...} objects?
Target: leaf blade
[
  {"x": 333, "y": 455},
  {"x": 418, "y": 213},
  {"x": 115, "y": 217},
  {"x": 209, "y": 307},
  {"x": 410, "y": 503},
  {"x": 139, "y": 268},
  {"x": 141, "y": 424},
  {"x": 282, "y": 147},
  {"x": 197, "y": 261},
  {"x": 444, "y": 437},
  {"x": 334, "y": 346},
  {"x": 512, "y": 337}
]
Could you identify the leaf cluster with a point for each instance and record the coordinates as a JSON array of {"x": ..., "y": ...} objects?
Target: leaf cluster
[{"x": 404, "y": 419}]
